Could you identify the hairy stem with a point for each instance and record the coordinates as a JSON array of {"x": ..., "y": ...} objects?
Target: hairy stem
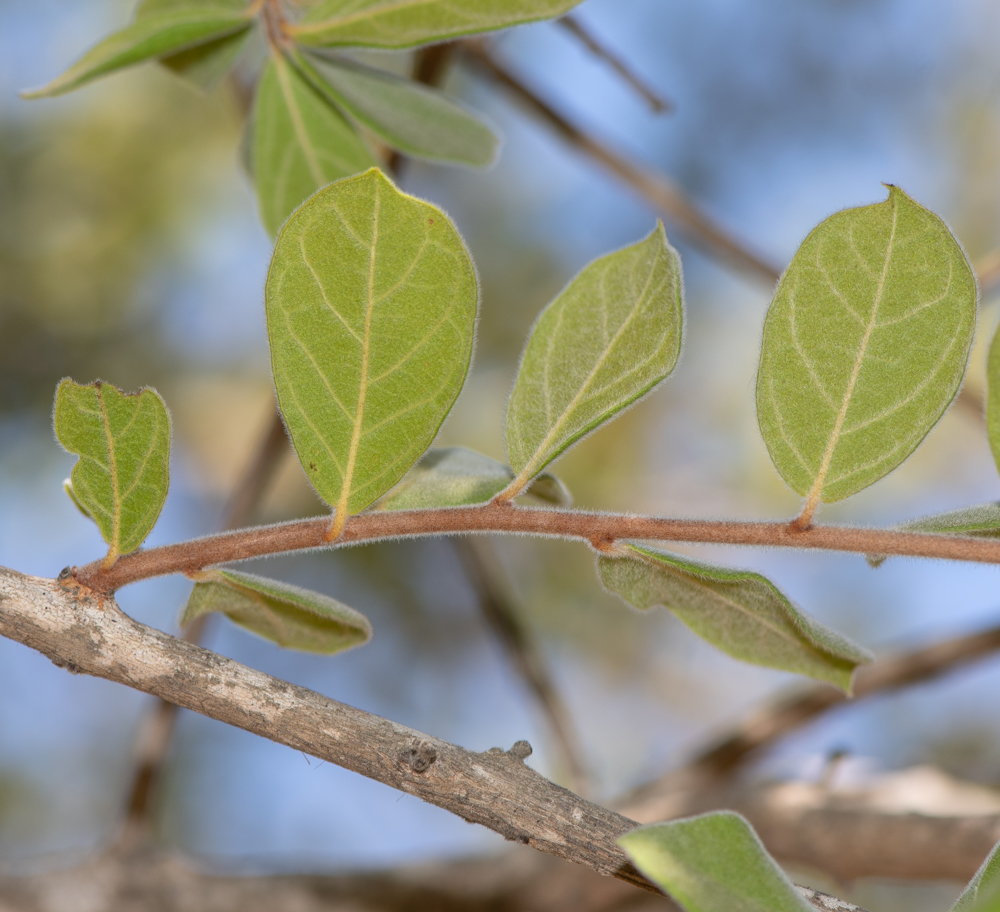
[{"x": 246, "y": 544}]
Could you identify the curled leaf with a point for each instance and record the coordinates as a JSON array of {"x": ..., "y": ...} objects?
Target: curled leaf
[
  {"x": 123, "y": 442},
  {"x": 285, "y": 614},
  {"x": 455, "y": 476},
  {"x": 737, "y": 611}
]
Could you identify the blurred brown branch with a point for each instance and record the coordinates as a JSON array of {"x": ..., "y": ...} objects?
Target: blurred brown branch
[
  {"x": 575, "y": 27},
  {"x": 665, "y": 196}
]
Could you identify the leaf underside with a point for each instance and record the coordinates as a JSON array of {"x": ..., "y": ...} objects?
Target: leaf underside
[
  {"x": 865, "y": 345},
  {"x": 737, "y": 611},
  {"x": 407, "y": 116},
  {"x": 300, "y": 143},
  {"x": 166, "y": 32},
  {"x": 371, "y": 309},
  {"x": 456, "y": 476},
  {"x": 982, "y": 893},
  {"x": 603, "y": 343},
  {"x": 408, "y": 23},
  {"x": 287, "y": 615},
  {"x": 123, "y": 442},
  {"x": 712, "y": 863}
]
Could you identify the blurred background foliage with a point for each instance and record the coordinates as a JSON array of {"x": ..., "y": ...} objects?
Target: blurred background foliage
[{"x": 130, "y": 250}]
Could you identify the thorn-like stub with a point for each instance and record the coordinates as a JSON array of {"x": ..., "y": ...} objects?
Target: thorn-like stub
[
  {"x": 520, "y": 751},
  {"x": 420, "y": 756},
  {"x": 65, "y": 574}
]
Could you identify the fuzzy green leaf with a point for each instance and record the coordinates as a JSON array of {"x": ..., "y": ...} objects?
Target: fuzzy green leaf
[
  {"x": 300, "y": 143},
  {"x": 287, "y": 615},
  {"x": 123, "y": 442},
  {"x": 982, "y": 520},
  {"x": 407, "y": 116},
  {"x": 603, "y": 343},
  {"x": 737, "y": 611},
  {"x": 993, "y": 397},
  {"x": 204, "y": 65},
  {"x": 408, "y": 23},
  {"x": 71, "y": 494},
  {"x": 371, "y": 309},
  {"x": 455, "y": 476},
  {"x": 982, "y": 893},
  {"x": 865, "y": 345},
  {"x": 712, "y": 863},
  {"x": 155, "y": 35}
]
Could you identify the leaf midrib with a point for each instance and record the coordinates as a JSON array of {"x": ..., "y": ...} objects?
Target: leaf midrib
[
  {"x": 298, "y": 125},
  {"x": 116, "y": 512},
  {"x": 816, "y": 492}
]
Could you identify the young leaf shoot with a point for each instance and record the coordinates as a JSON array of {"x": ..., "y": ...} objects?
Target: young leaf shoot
[
  {"x": 610, "y": 336},
  {"x": 865, "y": 345},
  {"x": 123, "y": 442},
  {"x": 287, "y": 615},
  {"x": 300, "y": 143},
  {"x": 712, "y": 863},
  {"x": 371, "y": 308},
  {"x": 737, "y": 611},
  {"x": 395, "y": 24}
]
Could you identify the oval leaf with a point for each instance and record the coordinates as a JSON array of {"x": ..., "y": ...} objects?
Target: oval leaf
[
  {"x": 865, "y": 345},
  {"x": 123, "y": 442},
  {"x": 154, "y": 35},
  {"x": 712, "y": 863},
  {"x": 606, "y": 341},
  {"x": 982, "y": 893},
  {"x": 404, "y": 23},
  {"x": 737, "y": 611},
  {"x": 371, "y": 309},
  {"x": 413, "y": 118},
  {"x": 287, "y": 615},
  {"x": 300, "y": 143},
  {"x": 455, "y": 476}
]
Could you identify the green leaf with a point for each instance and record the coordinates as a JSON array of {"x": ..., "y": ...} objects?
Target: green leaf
[
  {"x": 287, "y": 615},
  {"x": 204, "y": 65},
  {"x": 413, "y": 118},
  {"x": 982, "y": 893},
  {"x": 123, "y": 442},
  {"x": 712, "y": 863},
  {"x": 407, "y": 23},
  {"x": 982, "y": 520},
  {"x": 993, "y": 397},
  {"x": 300, "y": 143},
  {"x": 865, "y": 345},
  {"x": 455, "y": 476},
  {"x": 737, "y": 611},
  {"x": 68, "y": 488},
  {"x": 606, "y": 341},
  {"x": 154, "y": 35},
  {"x": 371, "y": 309}
]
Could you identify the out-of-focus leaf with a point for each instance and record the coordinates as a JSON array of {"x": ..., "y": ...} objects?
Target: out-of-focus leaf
[
  {"x": 982, "y": 893},
  {"x": 287, "y": 615},
  {"x": 455, "y": 476},
  {"x": 371, "y": 309},
  {"x": 300, "y": 143},
  {"x": 712, "y": 863},
  {"x": 413, "y": 118},
  {"x": 865, "y": 345},
  {"x": 123, "y": 442},
  {"x": 602, "y": 344},
  {"x": 155, "y": 35},
  {"x": 204, "y": 65},
  {"x": 737, "y": 611},
  {"x": 408, "y": 23},
  {"x": 993, "y": 397}
]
